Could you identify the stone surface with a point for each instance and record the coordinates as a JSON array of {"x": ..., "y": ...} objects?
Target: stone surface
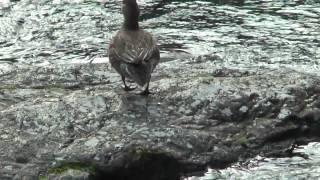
[{"x": 75, "y": 122}]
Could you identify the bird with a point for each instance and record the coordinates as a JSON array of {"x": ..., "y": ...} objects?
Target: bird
[{"x": 133, "y": 52}]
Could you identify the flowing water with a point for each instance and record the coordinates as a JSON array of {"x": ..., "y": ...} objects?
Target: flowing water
[
  {"x": 238, "y": 33},
  {"x": 271, "y": 33},
  {"x": 295, "y": 168}
]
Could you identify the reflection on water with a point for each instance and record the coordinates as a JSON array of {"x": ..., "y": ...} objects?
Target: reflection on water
[
  {"x": 241, "y": 33},
  {"x": 295, "y": 168}
]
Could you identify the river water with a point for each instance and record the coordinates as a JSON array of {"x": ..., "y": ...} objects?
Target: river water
[
  {"x": 241, "y": 33},
  {"x": 304, "y": 167},
  {"x": 273, "y": 33}
]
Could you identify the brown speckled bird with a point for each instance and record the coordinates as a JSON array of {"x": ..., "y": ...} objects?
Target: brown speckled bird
[{"x": 133, "y": 52}]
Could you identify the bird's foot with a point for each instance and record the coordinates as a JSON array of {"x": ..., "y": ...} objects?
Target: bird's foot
[
  {"x": 127, "y": 88},
  {"x": 145, "y": 92}
]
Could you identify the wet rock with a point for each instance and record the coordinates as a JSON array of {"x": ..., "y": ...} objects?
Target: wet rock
[{"x": 75, "y": 122}]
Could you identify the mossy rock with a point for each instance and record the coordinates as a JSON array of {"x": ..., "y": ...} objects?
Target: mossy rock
[
  {"x": 241, "y": 139},
  {"x": 70, "y": 169}
]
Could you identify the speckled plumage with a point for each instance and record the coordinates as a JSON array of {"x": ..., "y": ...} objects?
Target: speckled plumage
[{"x": 133, "y": 52}]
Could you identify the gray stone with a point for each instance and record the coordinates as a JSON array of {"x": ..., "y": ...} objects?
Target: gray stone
[{"x": 83, "y": 123}]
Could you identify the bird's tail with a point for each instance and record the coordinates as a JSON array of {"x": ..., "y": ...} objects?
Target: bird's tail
[{"x": 140, "y": 73}]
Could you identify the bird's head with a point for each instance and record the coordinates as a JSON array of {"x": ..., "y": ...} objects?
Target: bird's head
[{"x": 130, "y": 9}]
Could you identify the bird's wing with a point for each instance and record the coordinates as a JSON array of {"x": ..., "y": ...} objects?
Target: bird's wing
[{"x": 133, "y": 52}]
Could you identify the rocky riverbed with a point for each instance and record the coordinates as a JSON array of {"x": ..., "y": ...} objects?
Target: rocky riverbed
[{"x": 74, "y": 121}]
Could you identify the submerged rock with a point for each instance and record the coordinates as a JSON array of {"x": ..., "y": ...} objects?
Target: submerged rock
[{"x": 74, "y": 121}]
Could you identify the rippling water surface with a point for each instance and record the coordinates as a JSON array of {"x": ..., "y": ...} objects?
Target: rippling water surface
[
  {"x": 295, "y": 168},
  {"x": 240, "y": 32}
]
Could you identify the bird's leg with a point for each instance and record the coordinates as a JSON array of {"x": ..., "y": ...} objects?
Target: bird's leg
[
  {"x": 126, "y": 88},
  {"x": 146, "y": 91}
]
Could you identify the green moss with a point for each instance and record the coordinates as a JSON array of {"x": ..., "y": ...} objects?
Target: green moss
[
  {"x": 57, "y": 87},
  {"x": 144, "y": 153},
  {"x": 73, "y": 166},
  {"x": 141, "y": 152},
  {"x": 215, "y": 1},
  {"x": 9, "y": 86},
  {"x": 204, "y": 78},
  {"x": 242, "y": 140},
  {"x": 43, "y": 178}
]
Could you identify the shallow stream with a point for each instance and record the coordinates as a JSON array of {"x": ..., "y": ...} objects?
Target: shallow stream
[
  {"x": 240, "y": 32},
  {"x": 260, "y": 168}
]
